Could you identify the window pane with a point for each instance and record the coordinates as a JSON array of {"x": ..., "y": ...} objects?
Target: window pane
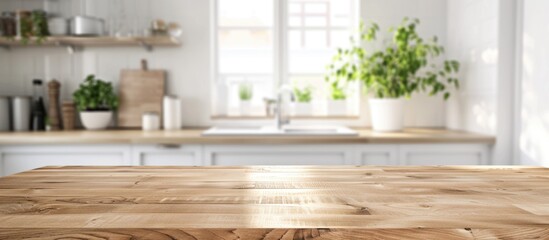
[
  {"x": 238, "y": 13},
  {"x": 295, "y": 22},
  {"x": 295, "y": 8},
  {"x": 309, "y": 55},
  {"x": 315, "y": 22},
  {"x": 327, "y": 27},
  {"x": 245, "y": 51},
  {"x": 313, "y": 7},
  {"x": 338, "y": 13}
]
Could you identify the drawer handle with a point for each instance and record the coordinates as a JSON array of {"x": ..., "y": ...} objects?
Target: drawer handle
[{"x": 169, "y": 146}]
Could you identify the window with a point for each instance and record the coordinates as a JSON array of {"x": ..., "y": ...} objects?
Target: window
[{"x": 263, "y": 44}]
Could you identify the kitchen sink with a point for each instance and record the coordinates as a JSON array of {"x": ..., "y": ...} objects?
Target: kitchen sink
[{"x": 285, "y": 131}]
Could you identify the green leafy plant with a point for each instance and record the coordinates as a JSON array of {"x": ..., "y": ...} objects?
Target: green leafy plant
[
  {"x": 303, "y": 95},
  {"x": 39, "y": 25},
  {"x": 25, "y": 27},
  {"x": 245, "y": 92},
  {"x": 95, "y": 95},
  {"x": 33, "y": 24},
  {"x": 405, "y": 65},
  {"x": 337, "y": 92}
]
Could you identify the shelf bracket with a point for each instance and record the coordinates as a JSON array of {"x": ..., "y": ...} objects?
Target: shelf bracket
[
  {"x": 148, "y": 47},
  {"x": 70, "y": 47}
]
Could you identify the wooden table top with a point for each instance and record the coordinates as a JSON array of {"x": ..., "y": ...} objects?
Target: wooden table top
[
  {"x": 296, "y": 202},
  {"x": 194, "y": 136}
]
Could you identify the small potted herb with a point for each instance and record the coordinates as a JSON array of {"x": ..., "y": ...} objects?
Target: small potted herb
[
  {"x": 245, "y": 93},
  {"x": 337, "y": 104},
  {"x": 95, "y": 100},
  {"x": 303, "y": 105}
]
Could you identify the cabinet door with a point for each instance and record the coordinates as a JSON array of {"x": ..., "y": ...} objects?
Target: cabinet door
[
  {"x": 444, "y": 154},
  {"x": 15, "y": 159},
  {"x": 167, "y": 155},
  {"x": 376, "y": 154},
  {"x": 238, "y": 155}
]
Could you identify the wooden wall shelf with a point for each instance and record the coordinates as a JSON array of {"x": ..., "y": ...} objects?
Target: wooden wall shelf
[{"x": 74, "y": 43}]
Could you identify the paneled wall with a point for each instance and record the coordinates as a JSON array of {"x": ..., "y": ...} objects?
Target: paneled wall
[
  {"x": 481, "y": 35},
  {"x": 473, "y": 40},
  {"x": 533, "y": 121},
  {"x": 188, "y": 66}
]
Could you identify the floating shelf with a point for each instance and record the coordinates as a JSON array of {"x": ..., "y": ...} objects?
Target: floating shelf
[{"x": 80, "y": 42}]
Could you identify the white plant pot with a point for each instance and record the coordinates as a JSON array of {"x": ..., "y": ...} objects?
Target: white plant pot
[
  {"x": 303, "y": 109},
  {"x": 245, "y": 108},
  {"x": 337, "y": 107},
  {"x": 96, "y": 120},
  {"x": 387, "y": 114}
]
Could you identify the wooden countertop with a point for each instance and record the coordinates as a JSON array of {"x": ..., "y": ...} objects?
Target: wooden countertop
[
  {"x": 194, "y": 136},
  {"x": 296, "y": 202}
]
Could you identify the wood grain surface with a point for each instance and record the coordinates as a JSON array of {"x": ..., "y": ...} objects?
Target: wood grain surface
[
  {"x": 194, "y": 136},
  {"x": 296, "y": 202}
]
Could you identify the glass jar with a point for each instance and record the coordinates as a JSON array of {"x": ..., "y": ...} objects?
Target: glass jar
[
  {"x": 24, "y": 24},
  {"x": 9, "y": 24},
  {"x": 39, "y": 23}
]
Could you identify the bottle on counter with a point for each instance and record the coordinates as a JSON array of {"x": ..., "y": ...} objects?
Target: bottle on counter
[
  {"x": 54, "y": 115},
  {"x": 38, "y": 119}
]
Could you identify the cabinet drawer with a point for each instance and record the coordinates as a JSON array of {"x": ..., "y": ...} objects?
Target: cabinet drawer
[
  {"x": 380, "y": 155},
  {"x": 17, "y": 159},
  {"x": 278, "y": 155},
  {"x": 167, "y": 155},
  {"x": 443, "y": 154}
]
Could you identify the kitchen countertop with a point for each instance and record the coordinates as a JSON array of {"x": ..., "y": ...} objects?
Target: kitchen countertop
[
  {"x": 194, "y": 136},
  {"x": 297, "y": 202}
]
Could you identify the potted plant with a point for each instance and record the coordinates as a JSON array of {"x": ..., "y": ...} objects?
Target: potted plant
[
  {"x": 405, "y": 65},
  {"x": 337, "y": 104},
  {"x": 95, "y": 100},
  {"x": 245, "y": 93},
  {"x": 303, "y": 105}
]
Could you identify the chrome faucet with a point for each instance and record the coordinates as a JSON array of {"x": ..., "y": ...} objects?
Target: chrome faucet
[{"x": 284, "y": 98}]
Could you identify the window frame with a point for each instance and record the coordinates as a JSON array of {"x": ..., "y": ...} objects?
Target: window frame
[{"x": 281, "y": 50}]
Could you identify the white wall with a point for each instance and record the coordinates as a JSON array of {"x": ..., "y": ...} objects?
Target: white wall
[
  {"x": 473, "y": 40},
  {"x": 188, "y": 66},
  {"x": 481, "y": 36},
  {"x": 533, "y": 125}
]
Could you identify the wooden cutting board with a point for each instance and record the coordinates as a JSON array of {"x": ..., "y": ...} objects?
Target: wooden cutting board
[{"x": 140, "y": 91}]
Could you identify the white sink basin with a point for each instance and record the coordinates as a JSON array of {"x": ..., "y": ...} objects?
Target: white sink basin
[{"x": 286, "y": 131}]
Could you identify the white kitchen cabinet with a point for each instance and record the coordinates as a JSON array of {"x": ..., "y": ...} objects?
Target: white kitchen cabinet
[
  {"x": 167, "y": 155},
  {"x": 444, "y": 154},
  {"x": 238, "y": 155},
  {"x": 15, "y": 159},
  {"x": 376, "y": 154}
]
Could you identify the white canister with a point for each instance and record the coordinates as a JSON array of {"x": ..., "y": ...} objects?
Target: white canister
[
  {"x": 58, "y": 26},
  {"x": 387, "y": 114},
  {"x": 172, "y": 113},
  {"x": 21, "y": 113},
  {"x": 151, "y": 121},
  {"x": 4, "y": 114}
]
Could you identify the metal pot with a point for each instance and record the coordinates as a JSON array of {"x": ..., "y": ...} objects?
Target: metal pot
[{"x": 87, "y": 26}]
